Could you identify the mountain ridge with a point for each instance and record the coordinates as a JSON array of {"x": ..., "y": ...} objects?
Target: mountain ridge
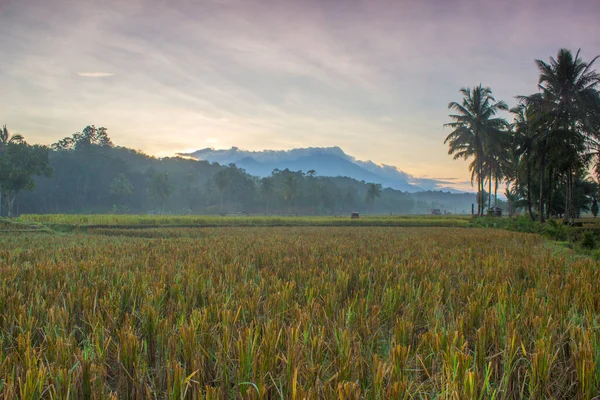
[{"x": 326, "y": 161}]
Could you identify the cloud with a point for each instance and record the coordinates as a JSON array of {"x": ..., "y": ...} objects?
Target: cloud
[
  {"x": 95, "y": 74},
  {"x": 371, "y": 76}
]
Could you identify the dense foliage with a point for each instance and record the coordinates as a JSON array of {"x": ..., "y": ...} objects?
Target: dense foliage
[
  {"x": 91, "y": 175},
  {"x": 20, "y": 162},
  {"x": 546, "y": 152}
]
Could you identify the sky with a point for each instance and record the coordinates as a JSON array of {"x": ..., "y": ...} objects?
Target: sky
[{"x": 373, "y": 77}]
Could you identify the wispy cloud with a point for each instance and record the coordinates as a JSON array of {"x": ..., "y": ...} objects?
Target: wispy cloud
[
  {"x": 371, "y": 76},
  {"x": 95, "y": 74}
]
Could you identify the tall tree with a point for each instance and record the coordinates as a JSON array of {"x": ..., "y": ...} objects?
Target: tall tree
[
  {"x": 266, "y": 189},
  {"x": 5, "y": 139},
  {"x": 290, "y": 188},
  {"x": 373, "y": 192},
  {"x": 221, "y": 179},
  {"x": 473, "y": 124},
  {"x": 569, "y": 104},
  {"x": 121, "y": 188},
  {"x": 19, "y": 164},
  {"x": 161, "y": 188},
  {"x": 88, "y": 137},
  {"x": 524, "y": 138}
]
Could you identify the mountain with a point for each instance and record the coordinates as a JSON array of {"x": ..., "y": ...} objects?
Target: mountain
[{"x": 326, "y": 161}]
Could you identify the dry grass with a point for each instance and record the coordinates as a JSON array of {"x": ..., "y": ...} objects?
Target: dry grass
[
  {"x": 301, "y": 312},
  {"x": 157, "y": 221}
]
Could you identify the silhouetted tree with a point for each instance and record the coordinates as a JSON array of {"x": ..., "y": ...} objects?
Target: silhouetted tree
[
  {"x": 474, "y": 125},
  {"x": 266, "y": 189},
  {"x": 160, "y": 188},
  {"x": 19, "y": 163},
  {"x": 373, "y": 192}
]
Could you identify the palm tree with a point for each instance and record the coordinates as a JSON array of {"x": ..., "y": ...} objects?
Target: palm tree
[
  {"x": 569, "y": 104},
  {"x": 266, "y": 189},
  {"x": 524, "y": 145},
  {"x": 473, "y": 124},
  {"x": 290, "y": 187},
  {"x": 496, "y": 161},
  {"x": 5, "y": 139},
  {"x": 221, "y": 179},
  {"x": 513, "y": 199},
  {"x": 373, "y": 192}
]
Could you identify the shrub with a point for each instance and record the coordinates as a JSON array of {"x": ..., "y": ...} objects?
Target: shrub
[
  {"x": 588, "y": 240},
  {"x": 555, "y": 230}
]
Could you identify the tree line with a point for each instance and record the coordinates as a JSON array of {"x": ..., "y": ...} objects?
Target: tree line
[
  {"x": 546, "y": 153},
  {"x": 20, "y": 162},
  {"x": 87, "y": 173}
]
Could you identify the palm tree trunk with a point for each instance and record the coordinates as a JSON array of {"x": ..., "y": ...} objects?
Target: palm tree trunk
[
  {"x": 478, "y": 195},
  {"x": 542, "y": 170},
  {"x": 569, "y": 214},
  {"x": 496, "y": 191},
  {"x": 549, "y": 191},
  {"x": 481, "y": 188},
  {"x": 529, "y": 192},
  {"x": 489, "y": 204},
  {"x": 9, "y": 203},
  {"x": 568, "y": 198}
]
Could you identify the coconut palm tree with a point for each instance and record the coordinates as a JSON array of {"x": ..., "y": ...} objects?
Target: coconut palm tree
[
  {"x": 266, "y": 189},
  {"x": 290, "y": 189},
  {"x": 496, "y": 161},
  {"x": 474, "y": 122},
  {"x": 222, "y": 181},
  {"x": 373, "y": 192},
  {"x": 569, "y": 106},
  {"x": 524, "y": 146}
]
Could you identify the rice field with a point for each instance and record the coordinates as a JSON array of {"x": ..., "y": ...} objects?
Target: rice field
[
  {"x": 140, "y": 221},
  {"x": 296, "y": 312}
]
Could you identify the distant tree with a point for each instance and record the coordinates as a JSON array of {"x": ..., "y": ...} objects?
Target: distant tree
[
  {"x": 290, "y": 189},
  {"x": 240, "y": 186},
  {"x": 19, "y": 164},
  {"x": 221, "y": 180},
  {"x": 514, "y": 200},
  {"x": 5, "y": 139},
  {"x": 160, "y": 188},
  {"x": 326, "y": 198},
  {"x": 88, "y": 137},
  {"x": 373, "y": 192},
  {"x": 267, "y": 189},
  {"x": 311, "y": 192},
  {"x": 121, "y": 188}
]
